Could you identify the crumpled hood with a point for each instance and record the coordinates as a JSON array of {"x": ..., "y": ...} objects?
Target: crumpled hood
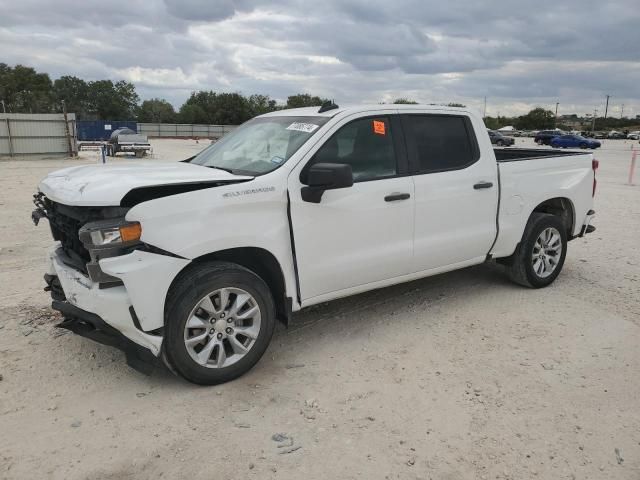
[{"x": 106, "y": 185}]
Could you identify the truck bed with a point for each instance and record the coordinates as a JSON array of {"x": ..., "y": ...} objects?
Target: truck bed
[{"x": 516, "y": 154}]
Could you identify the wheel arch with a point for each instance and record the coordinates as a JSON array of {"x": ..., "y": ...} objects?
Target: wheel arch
[
  {"x": 561, "y": 207},
  {"x": 261, "y": 262}
]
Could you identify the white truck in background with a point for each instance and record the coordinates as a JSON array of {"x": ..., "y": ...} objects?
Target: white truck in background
[{"x": 192, "y": 262}]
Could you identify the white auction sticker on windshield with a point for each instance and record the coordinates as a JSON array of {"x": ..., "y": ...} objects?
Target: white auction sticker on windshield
[{"x": 302, "y": 127}]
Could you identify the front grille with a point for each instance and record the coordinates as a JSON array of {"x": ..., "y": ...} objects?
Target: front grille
[{"x": 65, "y": 222}]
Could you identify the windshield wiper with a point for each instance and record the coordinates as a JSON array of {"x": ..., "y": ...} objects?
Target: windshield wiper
[{"x": 220, "y": 168}]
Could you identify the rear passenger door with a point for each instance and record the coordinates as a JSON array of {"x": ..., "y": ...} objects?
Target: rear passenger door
[{"x": 456, "y": 190}]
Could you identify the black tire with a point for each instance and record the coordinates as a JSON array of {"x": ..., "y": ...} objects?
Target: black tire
[
  {"x": 500, "y": 143},
  {"x": 520, "y": 264},
  {"x": 583, "y": 145},
  {"x": 187, "y": 291},
  {"x": 540, "y": 142}
]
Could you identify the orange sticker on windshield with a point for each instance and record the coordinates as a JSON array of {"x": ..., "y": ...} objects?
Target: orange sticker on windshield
[{"x": 378, "y": 127}]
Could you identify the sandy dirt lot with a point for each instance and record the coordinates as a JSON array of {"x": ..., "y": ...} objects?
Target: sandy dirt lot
[{"x": 458, "y": 376}]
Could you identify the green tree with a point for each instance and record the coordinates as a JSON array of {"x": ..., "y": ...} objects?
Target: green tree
[
  {"x": 538, "y": 118},
  {"x": 113, "y": 101},
  {"x": 192, "y": 113},
  {"x": 156, "y": 110},
  {"x": 215, "y": 108},
  {"x": 24, "y": 90},
  {"x": 259, "y": 104},
  {"x": 453, "y": 104},
  {"x": 75, "y": 93},
  {"x": 404, "y": 101},
  {"x": 230, "y": 109},
  {"x": 304, "y": 100}
]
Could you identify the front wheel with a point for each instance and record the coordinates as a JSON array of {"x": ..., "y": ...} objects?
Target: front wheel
[
  {"x": 539, "y": 257},
  {"x": 219, "y": 321},
  {"x": 500, "y": 143},
  {"x": 583, "y": 145}
]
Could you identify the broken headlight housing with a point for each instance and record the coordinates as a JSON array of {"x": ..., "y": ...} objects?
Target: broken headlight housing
[
  {"x": 110, "y": 233},
  {"x": 108, "y": 238}
]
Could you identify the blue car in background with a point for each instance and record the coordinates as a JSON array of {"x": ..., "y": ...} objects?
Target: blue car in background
[{"x": 574, "y": 141}]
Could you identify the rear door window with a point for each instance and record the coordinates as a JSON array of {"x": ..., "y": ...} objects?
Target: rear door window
[{"x": 439, "y": 143}]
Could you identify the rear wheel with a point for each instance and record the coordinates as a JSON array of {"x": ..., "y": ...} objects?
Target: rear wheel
[
  {"x": 539, "y": 257},
  {"x": 540, "y": 142},
  {"x": 583, "y": 145},
  {"x": 219, "y": 321}
]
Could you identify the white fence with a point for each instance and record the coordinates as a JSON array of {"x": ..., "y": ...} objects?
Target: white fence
[
  {"x": 23, "y": 134},
  {"x": 183, "y": 130}
]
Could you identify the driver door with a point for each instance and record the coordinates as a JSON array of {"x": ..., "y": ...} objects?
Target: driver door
[{"x": 361, "y": 234}]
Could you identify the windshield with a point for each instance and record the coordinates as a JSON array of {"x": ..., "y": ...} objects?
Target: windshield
[{"x": 259, "y": 145}]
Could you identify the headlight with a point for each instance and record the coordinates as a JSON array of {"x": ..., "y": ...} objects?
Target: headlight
[{"x": 110, "y": 233}]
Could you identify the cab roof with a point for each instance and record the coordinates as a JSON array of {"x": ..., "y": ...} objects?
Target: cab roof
[{"x": 313, "y": 111}]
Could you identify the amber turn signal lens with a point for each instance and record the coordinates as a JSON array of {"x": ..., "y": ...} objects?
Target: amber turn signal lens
[{"x": 130, "y": 232}]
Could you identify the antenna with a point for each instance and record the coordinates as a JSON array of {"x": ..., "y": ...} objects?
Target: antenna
[{"x": 328, "y": 105}]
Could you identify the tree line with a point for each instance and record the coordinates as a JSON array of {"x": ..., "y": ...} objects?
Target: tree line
[
  {"x": 540, "y": 119},
  {"x": 24, "y": 90}
]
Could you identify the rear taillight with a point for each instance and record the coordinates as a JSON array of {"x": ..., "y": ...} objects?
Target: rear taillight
[{"x": 594, "y": 166}]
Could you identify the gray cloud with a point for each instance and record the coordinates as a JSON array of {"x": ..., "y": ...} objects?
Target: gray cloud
[{"x": 517, "y": 53}]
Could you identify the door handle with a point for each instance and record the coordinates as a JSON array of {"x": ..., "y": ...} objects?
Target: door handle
[
  {"x": 481, "y": 185},
  {"x": 394, "y": 197}
]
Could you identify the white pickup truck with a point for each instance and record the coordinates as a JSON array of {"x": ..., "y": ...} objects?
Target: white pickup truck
[{"x": 190, "y": 263}]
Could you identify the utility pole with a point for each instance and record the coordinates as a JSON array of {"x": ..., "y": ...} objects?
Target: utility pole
[
  {"x": 484, "y": 111},
  {"x": 606, "y": 107},
  {"x": 555, "y": 122},
  {"x": 622, "y": 111}
]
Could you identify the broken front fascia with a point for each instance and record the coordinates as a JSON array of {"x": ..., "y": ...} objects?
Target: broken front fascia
[{"x": 146, "y": 279}]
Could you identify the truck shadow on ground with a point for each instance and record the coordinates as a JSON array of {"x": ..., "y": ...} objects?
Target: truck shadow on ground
[{"x": 312, "y": 323}]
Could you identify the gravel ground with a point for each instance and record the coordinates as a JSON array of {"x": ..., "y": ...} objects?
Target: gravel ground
[{"x": 458, "y": 376}]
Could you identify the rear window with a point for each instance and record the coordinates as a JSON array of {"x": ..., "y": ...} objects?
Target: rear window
[{"x": 441, "y": 142}]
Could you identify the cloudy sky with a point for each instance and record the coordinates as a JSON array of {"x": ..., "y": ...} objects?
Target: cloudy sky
[{"x": 518, "y": 54}]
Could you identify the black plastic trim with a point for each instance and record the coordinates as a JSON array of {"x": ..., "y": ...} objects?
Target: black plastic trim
[
  {"x": 293, "y": 249},
  {"x": 144, "y": 194},
  {"x": 523, "y": 154},
  {"x": 147, "y": 247},
  {"x": 134, "y": 317},
  {"x": 394, "y": 197},
  {"x": 92, "y": 326}
]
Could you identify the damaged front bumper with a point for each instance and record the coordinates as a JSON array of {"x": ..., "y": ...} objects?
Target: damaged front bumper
[
  {"x": 92, "y": 326},
  {"x": 129, "y": 316}
]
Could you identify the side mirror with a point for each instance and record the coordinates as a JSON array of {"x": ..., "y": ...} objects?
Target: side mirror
[{"x": 326, "y": 176}]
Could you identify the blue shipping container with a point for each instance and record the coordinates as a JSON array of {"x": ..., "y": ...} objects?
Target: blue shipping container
[{"x": 95, "y": 130}]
